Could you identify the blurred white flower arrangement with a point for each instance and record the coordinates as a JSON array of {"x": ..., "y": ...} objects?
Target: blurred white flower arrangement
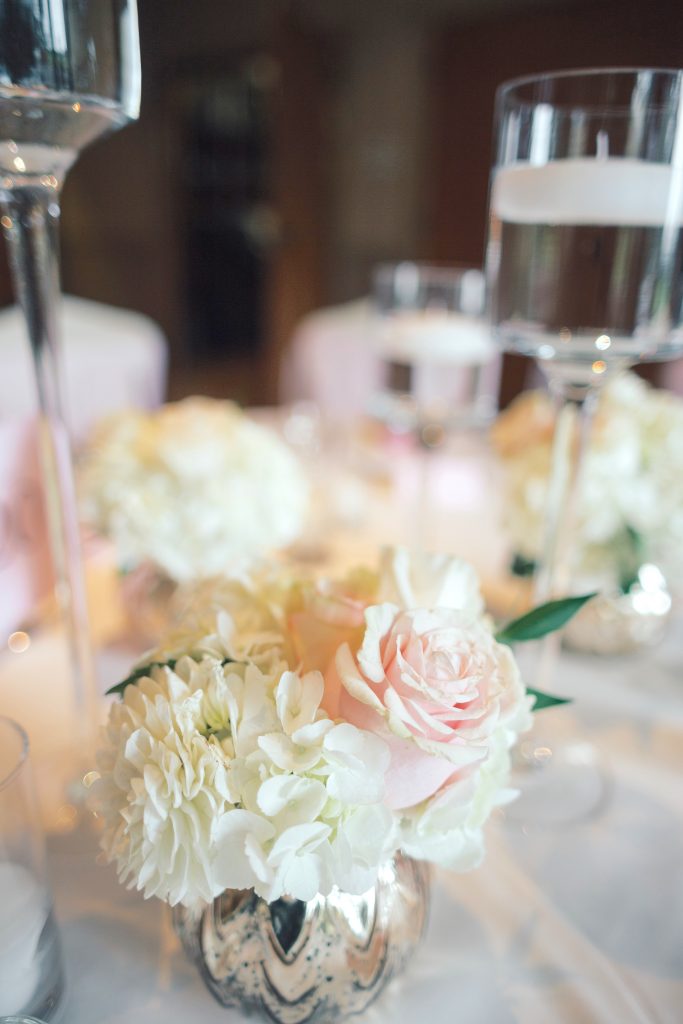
[
  {"x": 292, "y": 734},
  {"x": 630, "y": 507},
  {"x": 194, "y": 489}
]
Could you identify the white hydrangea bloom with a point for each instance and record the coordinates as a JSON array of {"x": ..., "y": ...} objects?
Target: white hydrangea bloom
[
  {"x": 162, "y": 787},
  {"x": 307, "y": 780},
  {"x": 228, "y": 618},
  {"x": 196, "y": 488},
  {"x": 217, "y": 775}
]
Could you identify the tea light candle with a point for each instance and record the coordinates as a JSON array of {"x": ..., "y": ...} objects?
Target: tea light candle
[{"x": 23, "y": 913}]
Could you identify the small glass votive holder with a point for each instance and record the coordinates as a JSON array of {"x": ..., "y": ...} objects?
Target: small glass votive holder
[
  {"x": 441, "y": 365},
  {"x": 31, "y": 973}
]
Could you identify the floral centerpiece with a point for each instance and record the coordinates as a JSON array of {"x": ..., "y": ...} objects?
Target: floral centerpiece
[
  {"x": 290, "y": 740},
  {"x": 631, "y": 501},
  {"x": 630, "y": 504},
  {"x": 194, "y": 488}
]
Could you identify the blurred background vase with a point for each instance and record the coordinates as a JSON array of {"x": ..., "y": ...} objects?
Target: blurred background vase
[
  {"x": 622, "y": 618},
  {"x": 441, "y": 367},
  {"x": 628, "y": 522},
  {"x": 631, "y": 611}
]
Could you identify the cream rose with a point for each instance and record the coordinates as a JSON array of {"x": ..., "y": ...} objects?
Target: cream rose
[{"x": 428, "y": 580}]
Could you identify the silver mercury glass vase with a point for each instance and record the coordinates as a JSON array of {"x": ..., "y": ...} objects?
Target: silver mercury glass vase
[{"x": 318, "y": 961}]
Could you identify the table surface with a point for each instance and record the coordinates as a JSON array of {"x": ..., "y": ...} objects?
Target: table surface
[{"x": 572, "y": 923}]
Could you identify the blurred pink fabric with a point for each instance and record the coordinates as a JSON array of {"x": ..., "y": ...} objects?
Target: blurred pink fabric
[
  {"x": 112, "y": 359},
  {"x": 25, "y": 567},
  {"x": 330, "y": 361}
]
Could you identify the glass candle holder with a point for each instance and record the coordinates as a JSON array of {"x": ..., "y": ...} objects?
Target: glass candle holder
[
  {"x": 441, "y": 365},
  {"x": 31, "y": 974}
]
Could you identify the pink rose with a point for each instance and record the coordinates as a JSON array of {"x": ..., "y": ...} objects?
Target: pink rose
[{"x": 434, "y": 684}]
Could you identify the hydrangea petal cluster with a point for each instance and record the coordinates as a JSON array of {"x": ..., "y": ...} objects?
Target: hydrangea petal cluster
[
  {"x": 299, "y": 732},
  {"x": 195, "y": 488},
  {"x": 214, "y": 776},
  {"x": 163, "y": 786},
  {"x": 242, "y": 619}
]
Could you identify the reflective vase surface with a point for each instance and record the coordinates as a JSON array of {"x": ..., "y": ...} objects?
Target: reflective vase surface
[
  {"x": 317, "y": 961},
  {"x": 619, "y": 622}
]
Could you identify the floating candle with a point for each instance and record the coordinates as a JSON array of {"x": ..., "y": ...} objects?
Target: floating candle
[
  {"x": 435, "y": 336},
  {"x": 619, "y": 190}
]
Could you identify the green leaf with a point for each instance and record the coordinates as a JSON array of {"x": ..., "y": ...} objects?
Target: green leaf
[
  {"x": 545, "y": 700},
  {"x": 630, "y": 555},
  {"x": 635, "y": 539},
  {"x": 144, "y": 670},
  {"x": 544, "y": 619}
]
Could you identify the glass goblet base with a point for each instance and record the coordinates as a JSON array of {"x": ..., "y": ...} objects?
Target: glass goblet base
[{"x": 559, "y": 785}]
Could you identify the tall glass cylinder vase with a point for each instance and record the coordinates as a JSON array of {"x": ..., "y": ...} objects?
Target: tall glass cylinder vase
[
  {"x": 585, "y": 262},
  {"x": 69, "y": 73}
]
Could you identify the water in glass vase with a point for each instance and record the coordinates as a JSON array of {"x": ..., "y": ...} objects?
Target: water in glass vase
[
  {"x": 588, "y": 259},
  {"x": 41, "y": 132},
  {"x": 435, "y": 362}
]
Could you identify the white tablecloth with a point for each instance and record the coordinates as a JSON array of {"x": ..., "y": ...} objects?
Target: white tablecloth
[{"x": 567, "y": 925}]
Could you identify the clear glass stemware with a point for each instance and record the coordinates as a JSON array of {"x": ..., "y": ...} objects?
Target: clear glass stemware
[
  {"x": 584, "y": 263},
  {"x": 439, "y": 363},
  {"x": 69, "y": 73}
]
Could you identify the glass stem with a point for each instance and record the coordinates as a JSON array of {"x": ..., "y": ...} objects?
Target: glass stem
[
  {"x": 30, "y": 224},
  {"x": 574, "y": 409}
]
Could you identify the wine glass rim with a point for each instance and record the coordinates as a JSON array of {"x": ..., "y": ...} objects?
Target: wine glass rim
[
  {"x": 23, "y": 753},
  {"x": 512, "y": 84}
]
